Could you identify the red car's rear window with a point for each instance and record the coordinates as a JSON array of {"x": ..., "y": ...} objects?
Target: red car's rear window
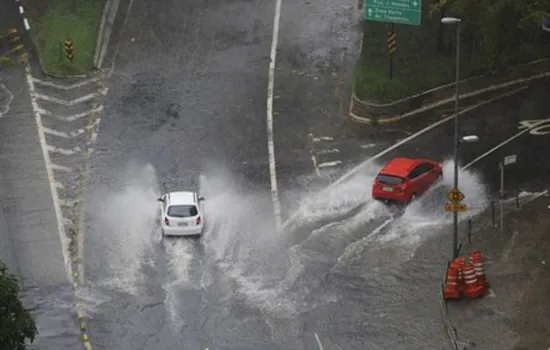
[{"x": 389, "y": 179}]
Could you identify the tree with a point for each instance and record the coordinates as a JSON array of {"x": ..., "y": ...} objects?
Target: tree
[
  {"x": 16, "y": 323},
  {"x": 498, "y": 32}
]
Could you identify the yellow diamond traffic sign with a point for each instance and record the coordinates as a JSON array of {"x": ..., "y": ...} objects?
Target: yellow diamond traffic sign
[
  {"x": 456, "y": 207},
  {"x": 455, "y": 196}
]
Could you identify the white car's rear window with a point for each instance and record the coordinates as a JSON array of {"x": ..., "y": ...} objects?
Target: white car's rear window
[{"x": 182, "y": 211}]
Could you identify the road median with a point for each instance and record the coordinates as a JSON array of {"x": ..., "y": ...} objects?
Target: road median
[
  {"x": 365, "y": 112},
  {"x": 59, "y": 26},
  {"x": 408, "y": 63}
]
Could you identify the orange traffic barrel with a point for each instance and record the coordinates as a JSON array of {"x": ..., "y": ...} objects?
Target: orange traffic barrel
[
  {"x": 477, "y": 259},
  {"x": 471, "y": 288},
  {"x": 458, "y": 263},
  {"x": 451, "y": 283}
]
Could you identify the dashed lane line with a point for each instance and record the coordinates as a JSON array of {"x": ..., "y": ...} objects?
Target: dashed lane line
[
  {"x": 71, "y": 118},
  {"x": 66, "y": 87},
  {"x": 69, "y": 103},
  {"x": 329, "y": 164},
  {"x": 270, "y": 93},
  {"x": 328, "y": 151}
]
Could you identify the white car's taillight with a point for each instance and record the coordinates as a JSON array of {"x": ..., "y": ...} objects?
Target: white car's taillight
[
  {"x": 166, "y": 221},
  {"x": 198, "y": 220}
]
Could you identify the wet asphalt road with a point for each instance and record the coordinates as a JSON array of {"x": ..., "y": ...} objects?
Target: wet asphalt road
[
  {"x": 186, "y": 108},
  {"x": 30, "y": 245}
]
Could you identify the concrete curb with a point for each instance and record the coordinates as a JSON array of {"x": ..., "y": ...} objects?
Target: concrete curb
[
  {"x": 364, "y": 112},
  {"x": 105, "y": 30}
]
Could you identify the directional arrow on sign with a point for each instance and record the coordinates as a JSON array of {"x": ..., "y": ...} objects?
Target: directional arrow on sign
[
  {"x": 415, "y": 3},
  {"x": 370, "y": 12}
]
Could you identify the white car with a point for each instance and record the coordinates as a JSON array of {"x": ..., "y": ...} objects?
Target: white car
[{"x": 181, "y": 214}]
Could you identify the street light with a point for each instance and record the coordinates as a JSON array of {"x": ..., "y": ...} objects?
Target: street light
[
  {"x": 546, "y": 24},
  {"x": 470, "y": 138},
  {"x": 455, "y": 21}
]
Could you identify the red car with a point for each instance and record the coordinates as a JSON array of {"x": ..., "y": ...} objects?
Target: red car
[{"x": 404, "y": 179}]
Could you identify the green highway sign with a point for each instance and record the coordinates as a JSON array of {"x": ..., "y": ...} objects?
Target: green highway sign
[{"x": 394, "y": 11}]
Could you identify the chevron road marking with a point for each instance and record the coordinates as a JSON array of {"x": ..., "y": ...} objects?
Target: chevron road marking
[
  {"x": 69, "y": 103},
  {"x": 64, "y": 151},
  {"x": 66, "y": 87},
  {"x": 71, "y": 118},
  {"x": 71, "y": 134},
  {"x": 60, "y": 168}
]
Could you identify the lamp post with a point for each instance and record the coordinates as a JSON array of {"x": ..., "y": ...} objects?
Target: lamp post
[{"x": 455, "y": 21}]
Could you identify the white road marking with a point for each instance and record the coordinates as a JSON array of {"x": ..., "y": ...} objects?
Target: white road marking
[
  {"x": 328, "y": 151},
  {"x": 370, "y": 145},
  {"x": 314, "y": 161},
  {"x": 63, "y": 151},
  {"x": 71, "y": 118},
  {"x": 60, "y": 168},
  {"x": 59, "y": 185},
  {"x": 5, "y": 109},
  {"x": 69, "y": 103},
  {"x": 21, "y": 9},
  {"x": 26, "y": 23},
  {"x": 352, "y": 172},
  {"x": 49, "y": 171},
  {"x": 270, "y": 90},
  {"x": 500, "y": 145},
  {"x": 318, "y": 341},
  {"x": 329, "y": 164},
  {"x": 65, "y": 87},
  {"x": 536, "y": 131},
  {"x": 56, "y": 133},
  {"x": 72, "y": 134},
  {"x": 491, "y": 292},
  {"x": 322, "y": 138}
]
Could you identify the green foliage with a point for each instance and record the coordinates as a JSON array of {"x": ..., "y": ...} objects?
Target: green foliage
[
  {"x": 495, "y": 34},
  {"x": 77, "y": 20},
  {"x": 16, "y": 323}
]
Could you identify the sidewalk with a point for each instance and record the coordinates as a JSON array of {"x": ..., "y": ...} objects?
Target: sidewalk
[{"x": 516, "y": 313}]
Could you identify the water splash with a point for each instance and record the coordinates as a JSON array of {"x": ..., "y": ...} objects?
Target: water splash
[{"x": 125, "y": 227}]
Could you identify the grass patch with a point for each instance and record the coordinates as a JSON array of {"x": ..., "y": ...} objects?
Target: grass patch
[
  {"x": 64, "y": 19},
  {"x": 420, "y": 66}
]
